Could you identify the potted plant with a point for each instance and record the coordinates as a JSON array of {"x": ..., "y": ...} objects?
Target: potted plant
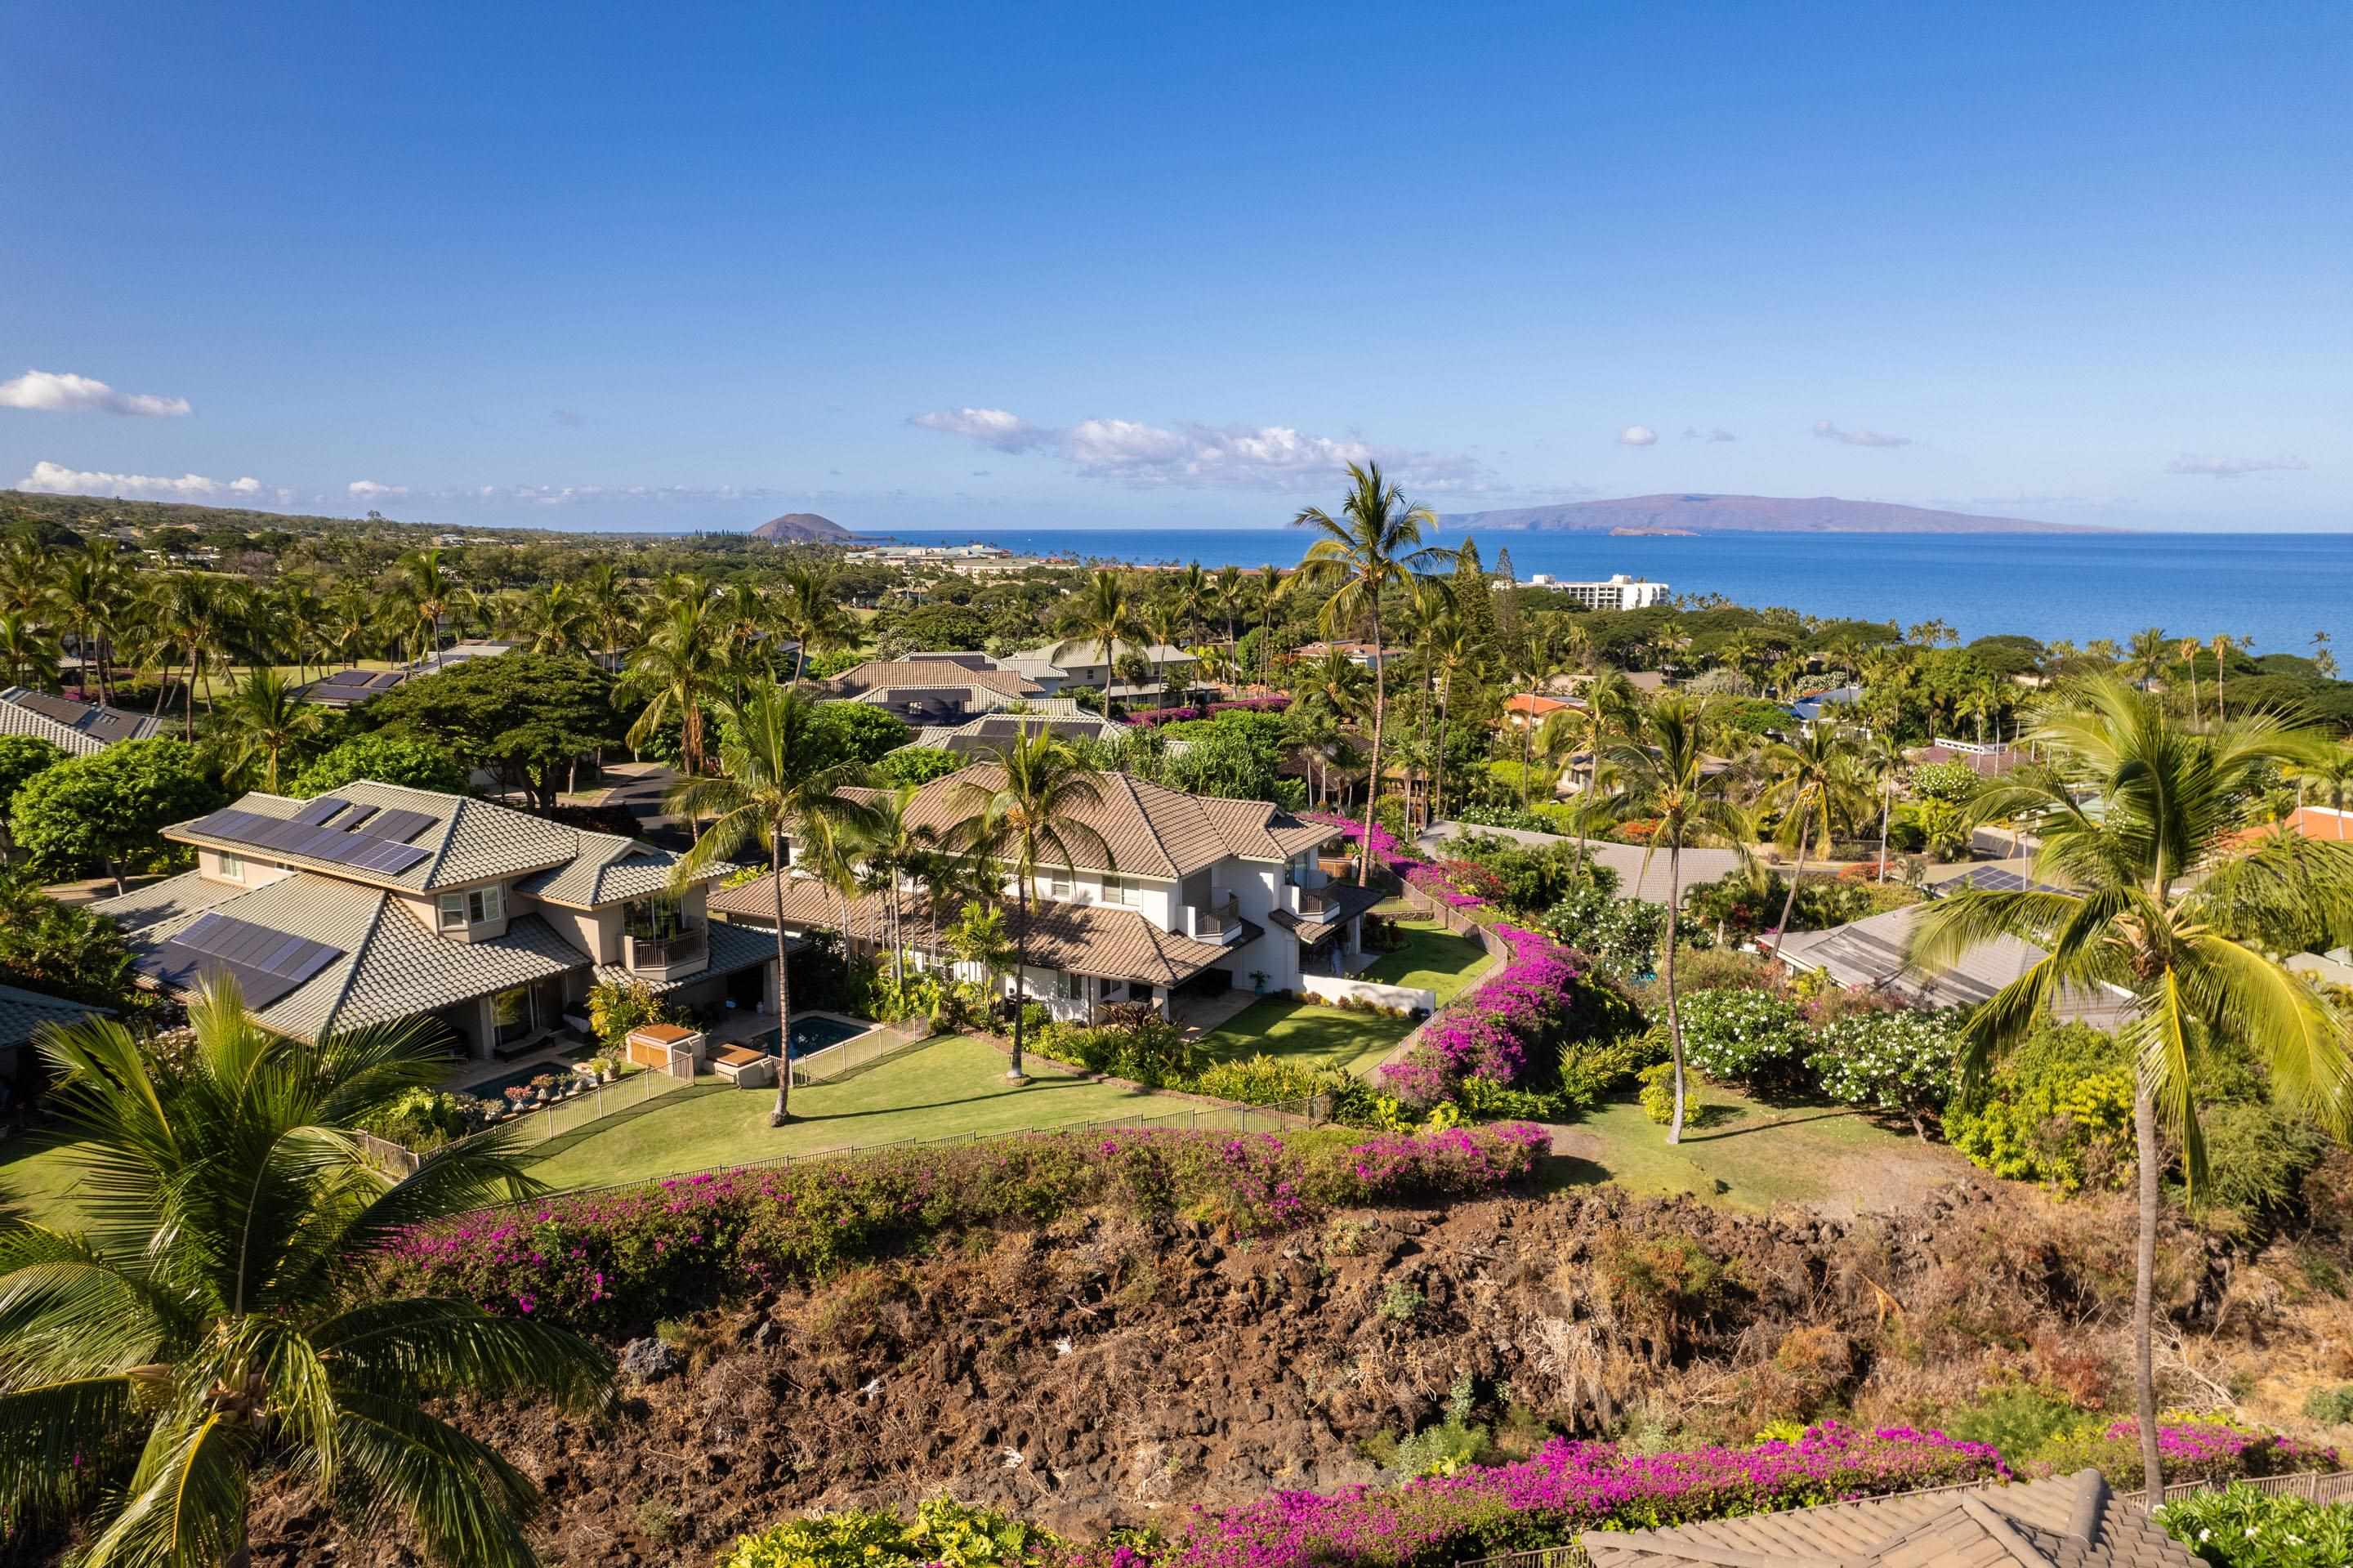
[
  {"x": 516, "y": 1094},
  {"x": 1258, "y": 981}
]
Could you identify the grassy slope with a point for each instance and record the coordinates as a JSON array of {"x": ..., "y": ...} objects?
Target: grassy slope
[
  {"x": 951, "y": 1087},
  {"x": 1433, "y": 958},
  {"x": 1762, "y": 1154}
]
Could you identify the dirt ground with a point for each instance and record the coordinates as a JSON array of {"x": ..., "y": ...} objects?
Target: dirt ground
[{"x": 1099, "y": 1373}]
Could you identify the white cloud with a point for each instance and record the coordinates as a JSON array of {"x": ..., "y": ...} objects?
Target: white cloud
[
  {"x": 990, "y": 427},
  {"x": 51, "y": 393},
  {"x": 56, "y": 479},
  {"x": 1147, "y": 456},
  {"x": 369, "y": 489},
  {"x": 1638, "y": 436},
  {"x": 1831, "y": 432},
  {"x": 2231, "y": 468},
  {"x": 1693, "y": 433}
]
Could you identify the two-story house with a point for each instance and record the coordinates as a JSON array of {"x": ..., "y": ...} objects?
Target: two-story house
[
  {"x": 379, "y": 904},
  {"x": 1170, "y": 892},
  {"x": 1077, "y": 662}
]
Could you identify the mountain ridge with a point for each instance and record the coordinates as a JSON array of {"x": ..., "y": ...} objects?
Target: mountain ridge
[
  {"x": 1695, "y": 512},
  {"x": 802, "y": 527}
]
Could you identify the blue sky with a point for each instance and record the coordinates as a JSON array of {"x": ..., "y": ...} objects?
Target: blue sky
[{"x": 690, "y": 266}]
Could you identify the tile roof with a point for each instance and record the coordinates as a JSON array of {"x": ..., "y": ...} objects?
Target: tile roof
[
  {"x": 1642, "y": 873},
  {"x": 390, "y": 965},
  {"x": 1104, "y": 940},
  {"x": 77, "y": 729},
  {"x": 175, "y": 898},
  {"x": 919, "y": 675},
  {"x": 1086, "y": 652},
  {"x": 1149, "y": 830},
  {"x": 1059, "y": 715},
  {"x": 2069, "y": 1522},
  {"x": 608, "y": 869},
  {"x": 469, "y": 841},
  {"x": 24, "y": 1012}
]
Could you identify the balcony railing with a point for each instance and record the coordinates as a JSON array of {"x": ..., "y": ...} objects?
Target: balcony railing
[
  {"x": 1316, "y": 902},
  {"x": 681, "y": 952},
  {"x": 1213, "y": 925}
]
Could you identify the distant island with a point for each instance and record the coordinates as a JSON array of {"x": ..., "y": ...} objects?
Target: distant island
[
  {"x": 802, "y": 528},
  {"x": 1686, "y": 514}
]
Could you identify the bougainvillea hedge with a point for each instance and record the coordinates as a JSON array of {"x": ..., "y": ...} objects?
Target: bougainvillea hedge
[{"x": 615, "y": 1261}]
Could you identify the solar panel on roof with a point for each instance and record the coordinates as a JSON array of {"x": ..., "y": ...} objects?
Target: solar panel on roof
[
  {"x": 401, "y": 826},
  {"x": 384, "y": 856},
  {"x": 360, "y": 812},
  {"x": 266, "y": 963},
  {"x": 348, "y": 678},
  {"x": 320, "y": 811}
]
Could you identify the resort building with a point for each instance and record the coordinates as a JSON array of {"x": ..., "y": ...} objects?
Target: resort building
[
  {"x": 1618, "y": 592},
  {"x": 1183, "y": 894},
  {"x": 382, "y": 904},
  {"x": 1363, "y": 655},
  {"x": 77, "y": 729}
]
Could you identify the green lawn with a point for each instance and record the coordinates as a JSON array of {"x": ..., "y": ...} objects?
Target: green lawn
[
  {"x": 1762, "y": 1155},
  {"x": 1305, "y": 1033},
  {"x": 950, "y": 1087},
  {"x": 1433, "y": 958}
]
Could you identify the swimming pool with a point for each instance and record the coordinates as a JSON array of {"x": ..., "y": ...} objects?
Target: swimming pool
[{"x": 813, "y": 1034}]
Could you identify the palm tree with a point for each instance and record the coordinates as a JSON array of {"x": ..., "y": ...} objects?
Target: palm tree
[
  {"x": 1270, "y": 588},
  {"x": 2191, "y": 649},
  {"x": 1815, "y": 782},
  {"x": 1533, "y": 657},
  {"x": 2331, "y": 770},
  {"x": 27, "y": 649},
  {"x": 1024, "y": 813},
  {"x": 1226, "y": 597},
  {"x": 894, "y": 848},
  {"x": 1663, "y": 771},
  {"x": 26, "y": 574},
  {"x": 301, "y": 619},
  {"x": 675, "y": 672},
  {"x": 1372, "y": 547},
  {"x": 222, "y": 1316},
  {"x": 1881, "y": 760},
  {"x": 88, "y": 591},
  {"x": 429, "y": 590},
  {"x": 1106, "y": 617},
  {"x": 607, "y": 605},
  {"x": 812, "y": 613},
  {"x": 2168, "y": 911},
  {"x": 1192, "y": 601},
  {"x": 552, "y": 620},
  {"x": 770, "y": 778},
  {"x": 351, "y": 621},
  {"x": 2222, "y": 657},
  {"x": 1448, "y": 652},
  {"x": 1336, "y": 685},
  {"x": 262, "y": 720},
  {"x": 188, "y": 616},
  {"x": 2145, "y": 655}
]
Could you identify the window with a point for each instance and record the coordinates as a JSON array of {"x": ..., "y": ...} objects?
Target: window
[
  {"x": 1120, "y": 889},
  {"x": 1057, "y": 886},
  {"x": 1069, "y": 986},
  {"x": 477, "y": 906},
  {"x": 232, "y": 867}
]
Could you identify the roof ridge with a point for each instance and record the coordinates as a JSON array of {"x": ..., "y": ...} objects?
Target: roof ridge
[
  {"x": 359, "y": 956},
  {"x": 1135, "y": 793}
]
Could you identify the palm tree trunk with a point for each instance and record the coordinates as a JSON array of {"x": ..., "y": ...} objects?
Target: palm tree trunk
[
  {"x": 2145, "y": 1292},
  {"x": 783, "y": 1111},
  {"x": 1013, "y": 1073},
  {"x": 1781, "y": 932},
  {"x": 1381, "y": 715},
  {"x": 1675, "y": 1012},
  {"x": 1437, "y": 758},
  {"x": 1886, "y": 804}
]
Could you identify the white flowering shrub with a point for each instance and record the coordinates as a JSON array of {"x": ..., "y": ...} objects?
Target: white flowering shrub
[
  {"x": 1900, "y": 1061},
  {"x": 1757, "y": 1038}
]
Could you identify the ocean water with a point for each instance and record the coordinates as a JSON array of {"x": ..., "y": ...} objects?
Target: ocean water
[{"x": 2271, "y": 592}]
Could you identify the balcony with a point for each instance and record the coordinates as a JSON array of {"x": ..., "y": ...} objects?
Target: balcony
[
  {"x": 669, "y": 958},
  {"x": 1213, "y": 925},
  {"x": 1315, "y": 903}
]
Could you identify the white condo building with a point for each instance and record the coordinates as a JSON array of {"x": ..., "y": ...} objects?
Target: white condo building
[{"x": 1620, "y": 592}]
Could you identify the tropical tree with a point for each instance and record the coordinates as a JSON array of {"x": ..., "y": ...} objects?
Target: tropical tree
[
  {"x": 428, "y": 588},
  {"x": 27, "y": 650},
  {"x": 1815, "y": 784},
  {"x": 88, "y": 590},
  {"x": 1193, "y": 592},
  {"x": 1373, "y": 546},
  {"x": 2167, "y": 909},
  {"x": 2190, "y": 650},
  {"x": 607, "y": 605},
  {"x": 1270, "y": 586},
  {"x": 221, "y": 1317},
  {"x": 2146, "y": 655},
  {"x": 553, "y": 619},
  {"x": 263, "y": 719},
  {"x": 188, "y": 616},
  {"x": 675, "y": 673},
  {"x": 812, "y": 615},
  {"x": 895, "y": 849},
  {"x": 1024, "y": 812},
  {"x": 772, "y": 779},
  {"x": 1226, "y": 600},
  {"x": 1879, "y": 758},
  {"x": 1106, "y": 617},
  {"x": 1663, "y": 772}
]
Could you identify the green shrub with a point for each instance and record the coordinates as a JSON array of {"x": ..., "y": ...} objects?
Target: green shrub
[
  {"x": 944, "y": 1531},
  {"x": 1593, "y": 1070},
  {"x": 1659, "y": 1092},
  {"x": 2240, "y": 1527},
  {"x": 1622, "y": 935},
  {"x": 616, "y": 1007},
  {"x": 1955, "y": 781},
  {"x": 1900, "y": 1061},
  {"x": 1400, "y": 1302},
  {"x": 2331, "y": 1406},
  {"x": 2255, "y": 1158},
  {"x": 422, "y": 1119},
  {"x": 2058, "y": 1110},
  {"x": 2018, "y": 1420}
]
